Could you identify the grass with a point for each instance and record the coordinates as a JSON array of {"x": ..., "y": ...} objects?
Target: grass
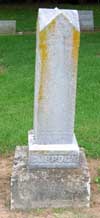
[
  {"x": 17, "y": 54},
  {"x": 17, "y": 63},
  {"x": 88, "y": 94},
  {"x": 26, "y": 15}
]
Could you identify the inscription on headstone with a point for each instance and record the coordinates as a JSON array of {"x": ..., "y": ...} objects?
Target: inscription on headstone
[{"x": 54, "y": 160}]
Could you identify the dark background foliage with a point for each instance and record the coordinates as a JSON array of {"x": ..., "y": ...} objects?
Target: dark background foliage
[{"x": 50, "y": 1}]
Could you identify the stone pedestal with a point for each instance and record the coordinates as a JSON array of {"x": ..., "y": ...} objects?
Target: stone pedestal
[
  {"x": 52, "y": 155},
  {"x": 48, "y": 187}
]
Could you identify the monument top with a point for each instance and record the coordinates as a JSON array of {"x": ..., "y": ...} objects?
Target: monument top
[{"x": 45, "y": 16}]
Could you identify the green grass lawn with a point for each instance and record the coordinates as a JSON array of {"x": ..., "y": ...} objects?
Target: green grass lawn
[
  {"x": 17, "y": 63},
  {"x": 26, "y": 15},
  {"x": 17, "y": 57},
  {"x": 88, "y": 94}
]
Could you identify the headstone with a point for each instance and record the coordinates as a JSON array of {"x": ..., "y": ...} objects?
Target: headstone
[
  {"x": 86, "y": 20},
  {"x": 55, "y": 86},
  {"x": 7, "y": 26},
  {"x": 53, "y": 172}
]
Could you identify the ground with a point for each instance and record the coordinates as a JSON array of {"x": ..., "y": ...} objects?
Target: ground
[{"x": 5, "y": 175}]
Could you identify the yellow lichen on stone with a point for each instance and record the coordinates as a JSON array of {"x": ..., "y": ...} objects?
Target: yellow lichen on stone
[
  {"x": 51, "y": 26},
  {"x": 76, "y": 42},
  {"x": 43, "y": 57}
]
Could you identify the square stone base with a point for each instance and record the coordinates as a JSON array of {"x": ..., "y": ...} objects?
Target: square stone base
[
  {"x": 45, "y": 187},
  {"x": 52, "y": 155}
]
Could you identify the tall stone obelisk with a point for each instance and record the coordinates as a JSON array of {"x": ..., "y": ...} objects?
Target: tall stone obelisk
[
  {"x": 58, "y": 39},
  {"x": 52, "y": 171}
]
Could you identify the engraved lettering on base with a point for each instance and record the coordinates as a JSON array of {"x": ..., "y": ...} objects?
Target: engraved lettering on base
[{"x": 54, "y": 161}]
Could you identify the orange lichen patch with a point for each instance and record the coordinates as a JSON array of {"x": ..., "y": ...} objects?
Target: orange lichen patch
[
  {"x": 43, "y": 56},
  {"x": 76, "y": 42}
]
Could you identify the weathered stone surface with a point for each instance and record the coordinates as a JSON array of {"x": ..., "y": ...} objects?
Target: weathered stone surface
[
  {"x": 7, "y": 26},
  {"x": 58, "y": 38},
  {"x": 53, "y": 172},
  {"x": 86, "y": 20},
  {"x": 48, "y": 187},
  {"x": 52, "y": 155}
]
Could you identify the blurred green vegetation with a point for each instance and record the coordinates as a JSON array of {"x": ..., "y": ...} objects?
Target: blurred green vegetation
[{"x": 26, "y": 15}]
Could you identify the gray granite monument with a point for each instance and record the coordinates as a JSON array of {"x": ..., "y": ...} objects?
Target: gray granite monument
[
  {"x": 7, "y": 26},
  {"x": 52, "y": 171},
  {"x": 86, "y": 20}
]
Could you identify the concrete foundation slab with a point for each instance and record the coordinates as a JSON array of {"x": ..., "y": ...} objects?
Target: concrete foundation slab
[{"x": 45, "y": 187}]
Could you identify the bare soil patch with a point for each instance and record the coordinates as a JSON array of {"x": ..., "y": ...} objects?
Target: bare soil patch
[{"x": 5, "y": 175}]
